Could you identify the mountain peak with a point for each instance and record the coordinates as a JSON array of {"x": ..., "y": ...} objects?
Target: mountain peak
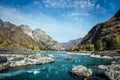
[
  {"x": 24, "y": 26},
  {"x": 117, "y": 15}
]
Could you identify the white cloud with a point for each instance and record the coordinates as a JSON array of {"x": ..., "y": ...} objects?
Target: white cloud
[{"x": 11, "y": 14}]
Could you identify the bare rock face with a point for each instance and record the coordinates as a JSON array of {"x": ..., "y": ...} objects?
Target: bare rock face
[{"x": 81, "y": 71}]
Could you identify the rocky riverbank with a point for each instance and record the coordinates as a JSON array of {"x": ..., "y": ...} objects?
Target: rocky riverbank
[
  {"x": 17, "y": 60},
  {"x": 106, "y": 54},
  {"x": 106, "y": 72},
  {"x": 112, "y": 71},
  {"x": 111, "y": 53}
]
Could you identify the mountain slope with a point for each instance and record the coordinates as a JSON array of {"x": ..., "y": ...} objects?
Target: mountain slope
[
  {"x": 71, "y": 43},
  {"x": 40, "y": 36},
  {"x": 103, "y": 30},
  {"x": 12, "y": 37}
]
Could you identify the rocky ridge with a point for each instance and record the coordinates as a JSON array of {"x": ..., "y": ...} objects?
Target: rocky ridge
[
  {"x": 23, "y": 37},
  {"x": 40, "y": 36},
  {"x": 13, "y": 38}
]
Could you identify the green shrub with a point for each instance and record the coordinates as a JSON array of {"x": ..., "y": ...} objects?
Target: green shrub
[
  {"x": 4, "y": 43},
  {"x": 91, "y": 46},
  {"x": 36, "y": 48},
  {"x": 99, "y": 45},
  {"x": 33, "y": 47}
]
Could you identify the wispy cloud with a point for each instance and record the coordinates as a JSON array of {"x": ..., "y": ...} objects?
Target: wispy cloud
[
  {"x": 83, "y": 4},
  {"x": 73, "y": 8},
  {"x": 12, "y": 14}
]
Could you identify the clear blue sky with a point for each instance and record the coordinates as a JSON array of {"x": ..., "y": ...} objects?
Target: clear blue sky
[{"x": 63, "y": 20}]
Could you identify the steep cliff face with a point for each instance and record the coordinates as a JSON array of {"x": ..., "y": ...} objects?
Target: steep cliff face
[
  {"x": 41, "y": 37},
  {"x": 71, "y": 43},
  {"x": 12, "y": 37},
  {"x": 105, "y": 29}
]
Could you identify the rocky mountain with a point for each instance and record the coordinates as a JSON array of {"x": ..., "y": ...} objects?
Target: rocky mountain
[
  {"x": 104, "y": 30},
  {"x": 40, "y": 36},
  {"x": 71, "y": 43},
  {"x": 23, "y": 37},
  {"x": 12, "y": 37}
]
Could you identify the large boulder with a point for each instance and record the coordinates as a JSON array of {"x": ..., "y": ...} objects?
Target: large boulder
[{"x": 81, "y": 71}]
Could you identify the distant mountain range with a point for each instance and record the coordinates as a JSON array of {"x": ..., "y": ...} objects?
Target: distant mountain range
[
  {"x": 23, "y": 37},
  {"x": 71, "y": 43}
]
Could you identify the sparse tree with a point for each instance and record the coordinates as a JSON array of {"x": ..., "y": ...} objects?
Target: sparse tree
[
  {"x": 99, "y": 45},
  {"x": 91, "y": 47},
  {"x": 114, "y": 43}
]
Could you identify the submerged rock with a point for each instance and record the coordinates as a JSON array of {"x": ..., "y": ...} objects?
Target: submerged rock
[{"x": 81, "y": 71}]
